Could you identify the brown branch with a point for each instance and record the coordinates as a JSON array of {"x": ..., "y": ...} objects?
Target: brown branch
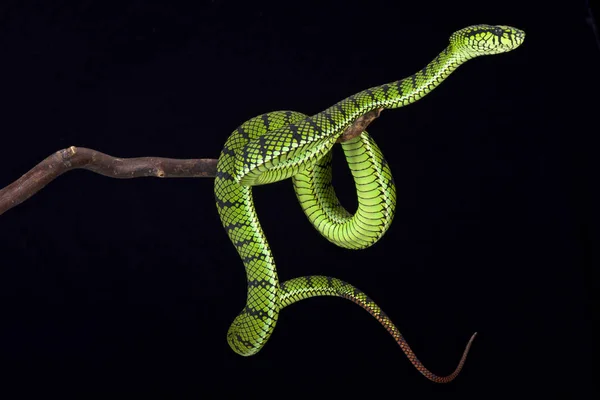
[
  {"x": 82, "y": 158},
  {"x": 360, "y": 125},
  {"x": 124, "y": 168}
]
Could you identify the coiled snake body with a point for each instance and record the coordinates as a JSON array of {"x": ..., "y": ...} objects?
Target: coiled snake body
[{"x": 287, "y": 144}]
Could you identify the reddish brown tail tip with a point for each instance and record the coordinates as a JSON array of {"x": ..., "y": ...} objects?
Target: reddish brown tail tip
[{"x": 452, "y": 376}]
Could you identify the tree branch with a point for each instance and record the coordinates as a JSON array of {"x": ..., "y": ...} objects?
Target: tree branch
[
  {"x": 82, "y": 158},
  {"x": 124, "y": 168},
  {"x": 359, "y": 125}
]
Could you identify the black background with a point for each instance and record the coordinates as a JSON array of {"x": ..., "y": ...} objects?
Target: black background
[{"x": 112, "y": 286}]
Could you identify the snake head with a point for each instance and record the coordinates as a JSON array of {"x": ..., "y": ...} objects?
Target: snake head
[{"x": 481, "y": 40}]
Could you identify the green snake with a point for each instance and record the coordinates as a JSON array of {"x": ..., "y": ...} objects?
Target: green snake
[{"x": 286, "y": 144}]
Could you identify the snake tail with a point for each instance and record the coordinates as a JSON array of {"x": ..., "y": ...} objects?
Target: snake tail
[{"x": 305, "y": 287}]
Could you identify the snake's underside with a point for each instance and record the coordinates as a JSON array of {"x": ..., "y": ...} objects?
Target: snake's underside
[{"x": 288, "y": 144}]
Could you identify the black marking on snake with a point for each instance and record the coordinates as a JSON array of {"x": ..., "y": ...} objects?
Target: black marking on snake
[
  {"x": 259, "y": 256},
  {"x": 228, "y": 151},
  {"x": 246, "y": 343},
  {"x": 224, "y": 175},
  {"x": 262, "y": 283},
  {"x": 474, "y": 32},
  {"x": 314, "y": 125},
  {"x": 329, "y": 118},
  {"x": 265, "y": 118},
  {"x": 242, "y": 242},
  {"x": 228, "y": 203},
  {"x": 385, "y": 89},
  {"x": 243, "y": 133},
  {"x": 399, "y": 87},
  {"x": 257, "y": 313},
  {"x": 353, "y": 100},
  {"x": 262, "y": 146},
  {"x": 245, "y": 153},
  {"x": 340, "y": 109},
  {"x": 370, "y": 93},
  {"x": 236, "y": 225},
  {"x": 294, "y": 130},
  {"x": 413, "y": 80},
  {"x": 357, "y": 292},
  {"x": 308, "y": 280},
  {"x": 329, "y": 281},
  {"x": 497, "y": 32}
]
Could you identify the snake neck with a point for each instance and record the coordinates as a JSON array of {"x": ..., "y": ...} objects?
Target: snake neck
[
  {"x": 289, "y": 148},
  {"x": 408, "y": 90}
]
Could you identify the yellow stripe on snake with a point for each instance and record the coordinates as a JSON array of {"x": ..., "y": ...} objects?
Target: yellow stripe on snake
[{"x": 287, "y": 144}]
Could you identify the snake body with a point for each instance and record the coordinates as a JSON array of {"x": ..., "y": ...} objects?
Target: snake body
[{"x": 287, "y": 144}]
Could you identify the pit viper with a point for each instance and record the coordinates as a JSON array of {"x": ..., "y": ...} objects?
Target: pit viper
[{"x": 287, "y": 144}]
